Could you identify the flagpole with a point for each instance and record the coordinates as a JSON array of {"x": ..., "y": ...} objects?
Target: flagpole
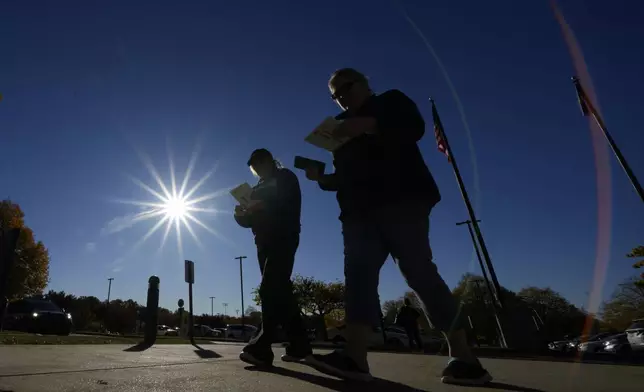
[
  {"x": 587, "y": 107},
  {"x": 470, "y": 210}
]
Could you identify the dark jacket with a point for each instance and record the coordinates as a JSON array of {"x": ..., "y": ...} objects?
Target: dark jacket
[
  {"x": 387, "y": 167},
  {"x": 282, "y": 207}
]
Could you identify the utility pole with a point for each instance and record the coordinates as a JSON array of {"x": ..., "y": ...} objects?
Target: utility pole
[
  {"x": 237, "y": 311},
  {"x": 107, "y": 305},
  {"x": 225, "y": 309},
  {"x": 109, "y": 289},
  {"x": 241, "y": 282},
  {"x": 212, "y": 313}
]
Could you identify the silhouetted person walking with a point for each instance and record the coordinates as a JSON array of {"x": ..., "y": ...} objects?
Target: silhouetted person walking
[
  {"x": 386, "y": 193},
  {"x": 275, "y": 221},
  {"x": 407, "y": 318}
]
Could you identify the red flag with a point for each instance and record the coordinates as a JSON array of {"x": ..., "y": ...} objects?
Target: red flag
[{"x": 441, "y": 141}]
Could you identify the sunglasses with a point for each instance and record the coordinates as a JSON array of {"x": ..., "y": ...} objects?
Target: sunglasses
[{"x": 341, "y": 91}]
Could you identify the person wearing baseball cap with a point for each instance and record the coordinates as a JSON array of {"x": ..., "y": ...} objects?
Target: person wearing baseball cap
[{"x": 274, "y": 218}]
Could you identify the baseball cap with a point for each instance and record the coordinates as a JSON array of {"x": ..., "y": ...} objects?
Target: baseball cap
[{"x": 259, "y": 155}]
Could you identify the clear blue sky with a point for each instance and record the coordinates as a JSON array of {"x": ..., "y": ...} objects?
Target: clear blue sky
[{"x": 84, "y": 85}]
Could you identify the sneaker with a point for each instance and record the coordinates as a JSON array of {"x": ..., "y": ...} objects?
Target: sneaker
[
  {"x": 293, "y": 355},
  {"x": 255, "y": 356},
  {"x": 464, "y": 373},
  {"x": 339, "y": 365}
]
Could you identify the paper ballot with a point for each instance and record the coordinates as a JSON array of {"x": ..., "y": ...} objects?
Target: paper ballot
[
  {"x": 242, "y": 194},
  {"x": 322, "y": 135}
]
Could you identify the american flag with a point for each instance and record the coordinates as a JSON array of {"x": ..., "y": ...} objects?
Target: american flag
[{"x": 441, "y": 141}]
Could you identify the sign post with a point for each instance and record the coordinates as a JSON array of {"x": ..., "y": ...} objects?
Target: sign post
[{"x": 190, "y": 279}]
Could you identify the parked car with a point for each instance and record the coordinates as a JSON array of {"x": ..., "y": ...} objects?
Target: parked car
[
  {"x": 242, "y": 332},
  {"x": 595, "y": 343},
  {"x": 37, "y": 316},
  {"x": 560, "y": 346},
  {"x": 164, "y": 330},
  {"x": 395, "y": 336},
  {"x": 635, "y": 335},
  {"x": 576, "y": 344},
  {"x": 200, "y": 330},
  {"x": 617, "y": 344}
]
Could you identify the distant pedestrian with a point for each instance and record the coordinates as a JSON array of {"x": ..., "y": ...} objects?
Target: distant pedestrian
[
  {"x": 275, "y": 222},
  {"x": 386, "y": 193},
  {"x": 407, "y": 318}
]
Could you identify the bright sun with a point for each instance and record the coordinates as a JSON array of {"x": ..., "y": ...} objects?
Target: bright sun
[{"x": 175, "y": 208}]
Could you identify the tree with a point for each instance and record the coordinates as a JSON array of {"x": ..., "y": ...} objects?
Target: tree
[
  {"x": 29, "y": 273},
  {"x": 559, "y": 316},
  {"x": 315, "y": 298},
  {"x": 253, "y": 316},
  {"x": 638, "y": 252},
  {"x": 250, "y": 310},
  {"x": 390, "y": 309},
  {"x": 545, "y": 301},
  {"x": 625, "y": 305}
]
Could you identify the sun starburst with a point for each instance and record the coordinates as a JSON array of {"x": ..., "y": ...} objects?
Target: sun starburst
[{"x": 172, "y": 206}]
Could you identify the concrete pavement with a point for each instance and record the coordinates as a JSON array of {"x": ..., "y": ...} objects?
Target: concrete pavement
[{"x": 216, "y": 368}]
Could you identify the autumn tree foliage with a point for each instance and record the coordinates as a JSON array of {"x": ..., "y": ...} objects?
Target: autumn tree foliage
[{"x": 29, "y": 273}]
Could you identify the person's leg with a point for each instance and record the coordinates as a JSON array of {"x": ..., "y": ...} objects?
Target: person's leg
[
  {"x": 364, "y": 255},
  {"x": 291, "y": 318},
  {"x": 407, "y": 235},
  {"x": 258, "y": 351},
  {"x": 279, "y": 305},
  {"x": 410, "y": 336},
  {"x": 417, "y": 338}
]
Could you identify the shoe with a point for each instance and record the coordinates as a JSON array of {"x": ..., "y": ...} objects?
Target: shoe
[
  {"x": 255, "y": 356},
  {"x": 293, "y": 355},
  {"x": 339, "y": 365},
  {"x": 459, "y": 372}
]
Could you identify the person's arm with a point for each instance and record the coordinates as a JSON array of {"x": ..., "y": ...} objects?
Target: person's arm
[
  {"x": 398, "y": 119},
  {"x": 328, "y": 182}
]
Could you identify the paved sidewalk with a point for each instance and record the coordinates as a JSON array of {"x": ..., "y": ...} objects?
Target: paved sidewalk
[{"x": 216, "y": 368}]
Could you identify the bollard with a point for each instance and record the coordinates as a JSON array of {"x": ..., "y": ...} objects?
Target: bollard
[
  {"x": 152, "y": 311},
  {"x": 182, "y": 327}
]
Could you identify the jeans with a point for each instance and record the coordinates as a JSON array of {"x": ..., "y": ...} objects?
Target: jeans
[
  {"x": 401, "y": 231},
  {"x": 279, "y": 305}
]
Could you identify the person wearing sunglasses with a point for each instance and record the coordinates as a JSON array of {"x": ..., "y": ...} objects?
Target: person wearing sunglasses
[
  {"x": 274, "y": 217},
  {"x": 386, "y": 192}
]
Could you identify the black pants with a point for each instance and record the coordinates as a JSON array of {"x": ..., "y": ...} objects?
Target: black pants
[
  {"x": 279, "y": 305},
  {"x": 413, "y": 334}
]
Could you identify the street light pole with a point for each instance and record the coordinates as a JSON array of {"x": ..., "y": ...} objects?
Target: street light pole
[
  {"x": 212, "y": 312},
  {"x": 241, "y": 283},
  {"x": 226, "y": 309}
]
